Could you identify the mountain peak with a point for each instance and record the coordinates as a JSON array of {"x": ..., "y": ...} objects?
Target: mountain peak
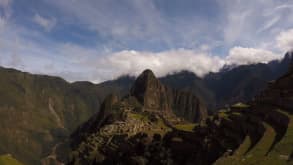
[
  {"x": 148, "y": 74},
  {"x": 145, "y": 80},
  {"x": 149, "y": 91},
  {"x": 289, "y": 56}
]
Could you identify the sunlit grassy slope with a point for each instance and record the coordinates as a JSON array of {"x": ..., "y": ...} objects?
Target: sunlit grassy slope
[
  {"x": 257, "y": 156},
  {"x": 9, "y": 160}
]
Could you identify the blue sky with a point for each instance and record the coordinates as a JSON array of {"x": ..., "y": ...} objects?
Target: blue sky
[{"x": 98, "y": 40}]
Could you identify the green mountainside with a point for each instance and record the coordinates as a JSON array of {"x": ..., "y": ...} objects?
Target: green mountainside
[
  {"x": 231, "y": 84},
  {"x": 37, "y": 112},
  {"x": 148, "y": 111},
  {"x": 258, "y": 132},
  {"x": 8, "y": 160}
]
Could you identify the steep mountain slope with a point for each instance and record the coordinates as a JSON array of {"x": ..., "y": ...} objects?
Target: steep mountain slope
[
  {"x": 120, "y": 124},
  {"x": 258, "y": 133},
  {"x": 37, "y": 112},
  {"x": 231, "y": 84},
  {"x": 274, "y": 107},
  {"x": 238, "y": 84},
  {"x": 152, "y": 94},
  {"x": 187, "y": 81},
  {"x": 8, "y": 160}
]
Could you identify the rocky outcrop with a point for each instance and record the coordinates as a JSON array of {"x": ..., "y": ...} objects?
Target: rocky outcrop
[
  {"x": 151, "y": 107},
  {"x": 150, "y": 92},
  {"x": 145, "y": 134},
  {"x": 188, "y": 106},
  {"x": 103, "y": 117},
  {"x": 147, "y": 94},
  {"x": 154, "y": 96}
]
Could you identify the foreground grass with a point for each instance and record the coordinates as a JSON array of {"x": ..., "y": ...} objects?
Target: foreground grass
[
  {"x": 8, "y": 160},
  {"x": 186, "y": 127},
  {"x": 257, "y": 156}
]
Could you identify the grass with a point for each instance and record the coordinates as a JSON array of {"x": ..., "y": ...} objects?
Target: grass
[
  {"x": 26, "y": 123},
  {"x": 278, "y": 156},
  {"x": 243, "y": 147},
  {"x": 139, "y": 116},
  {"x": 186, "y": 127},
  {"x": 8, "y": 160}
]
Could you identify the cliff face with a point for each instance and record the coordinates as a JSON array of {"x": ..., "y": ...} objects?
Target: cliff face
[
  {"x": 188, "y": 106},
  {"x": 151, "y": 109},
  {"x": 150, "y": 92},
  {"x": 37, "y": 111},
  {"x": 258, "y": 133},
  {"x": 153, "y": 95}
]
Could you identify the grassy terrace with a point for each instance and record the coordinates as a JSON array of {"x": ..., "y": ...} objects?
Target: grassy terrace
[
  {"x": 138, "y": 116},
  {"x": 186, "y": 127},
  {"x": 257, "y": 156},
  {"x": 8, "y": 160}
]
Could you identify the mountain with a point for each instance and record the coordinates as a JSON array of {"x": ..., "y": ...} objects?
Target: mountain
[
  {"x": 188, "y": 81},
  {"x": 231, "y": 84},
  {"x": 258, "y": 132},
  {"x": 152, "y": 94},
  {"x": 149, "y": 110},
  {"x": 37, "y": 112}
]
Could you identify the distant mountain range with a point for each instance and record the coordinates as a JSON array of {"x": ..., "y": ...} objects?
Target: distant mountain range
[
  {"x": 142, "y": 128},
  {"x": 229, "y": 85},
  {"x": 38, "y": 112}
]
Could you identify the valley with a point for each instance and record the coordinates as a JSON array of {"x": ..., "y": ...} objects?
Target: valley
[
  {"x": 146, "y": 82},
  {"x": 258, "y": 132},
  {"x": 59, "y": 121}
]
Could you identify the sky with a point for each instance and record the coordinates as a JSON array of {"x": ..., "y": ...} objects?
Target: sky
[{"x": 98, "y": 40}]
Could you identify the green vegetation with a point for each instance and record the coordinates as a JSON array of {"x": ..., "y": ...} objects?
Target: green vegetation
[
  {"x": 186, "y": 127},
  {"x": 36, "y": 112},
  {"x": 278, "y": 156},
  {"x": 8, "y": 160},
  {"x": 139, "y": 116}
]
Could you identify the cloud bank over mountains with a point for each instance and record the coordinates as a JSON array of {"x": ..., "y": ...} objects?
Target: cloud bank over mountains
[
  {"x": 162, "y": 63},
  {"x": 101, "y": 40}
]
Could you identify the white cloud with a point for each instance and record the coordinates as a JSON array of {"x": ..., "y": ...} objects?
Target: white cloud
[
  {"x": 75, "y": 63},
  {"x": 253, "y": 22},
  {"x": 285, "y": 40},
  {"x": 269, "y": 23},
  {"x": 244, "y": 56},
  {"x": 236, "y": 25},
  {"x": 2, "y": 23},
  {"x": 162, "y": 63},
  {"x": 5, "y": 14},
  {"x": 5, "y": 3},
  {"x": 46, "y": 23},
  {"x": 135, "y": 21},
  {"x": 130, "y": 22}
]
